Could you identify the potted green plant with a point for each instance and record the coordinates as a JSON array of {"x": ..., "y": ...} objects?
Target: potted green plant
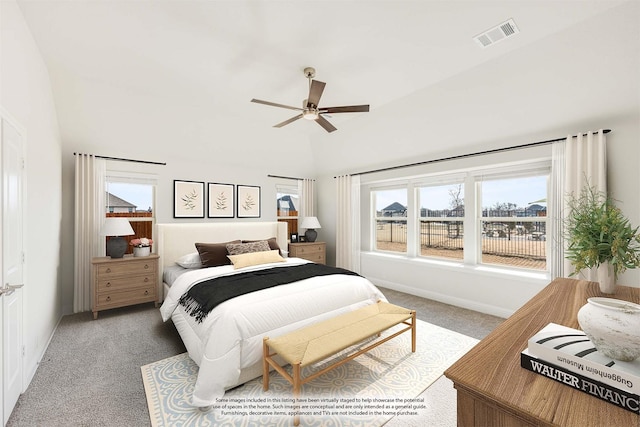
[{"x": 599, "y": 235}]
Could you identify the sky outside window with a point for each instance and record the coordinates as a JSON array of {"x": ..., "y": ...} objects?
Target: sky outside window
[
  {"x": 520, "y": 191},
  {"x": 140, "y": 195}
]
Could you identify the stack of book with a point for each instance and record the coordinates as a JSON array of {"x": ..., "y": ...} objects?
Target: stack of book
[{"x": 568, "y": 356}]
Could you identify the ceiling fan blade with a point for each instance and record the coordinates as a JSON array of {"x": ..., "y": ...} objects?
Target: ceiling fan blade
[
  {"x": 346, "y": 109},
  {"x": 315, "y": 92},
  {"x": 286, "y": 122},
  {"x": 273, "y": 104},
  {"x": 325, "y": 124}
]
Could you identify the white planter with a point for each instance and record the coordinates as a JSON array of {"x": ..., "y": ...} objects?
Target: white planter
[
  {"x": 606, "y": 278},
  {"x": 613, "y": 326},
  {"x": 143, "y": 251}
]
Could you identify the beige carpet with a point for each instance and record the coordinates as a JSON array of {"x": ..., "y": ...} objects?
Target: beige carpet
[{"x": 367, "y": 391}]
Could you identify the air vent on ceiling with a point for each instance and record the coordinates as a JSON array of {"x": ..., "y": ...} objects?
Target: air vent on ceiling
[{"x": 497, "y": 33}]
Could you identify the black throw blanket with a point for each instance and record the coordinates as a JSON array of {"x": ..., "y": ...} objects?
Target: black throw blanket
[{"x": 205, "y": 296}]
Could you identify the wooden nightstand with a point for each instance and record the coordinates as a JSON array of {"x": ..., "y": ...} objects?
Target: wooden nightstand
[
  {"x": 119, "y": 282},
  {"x": 315, "y": 251}
]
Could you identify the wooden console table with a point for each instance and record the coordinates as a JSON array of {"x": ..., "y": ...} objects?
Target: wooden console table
[{"x": 492, "y": 388}]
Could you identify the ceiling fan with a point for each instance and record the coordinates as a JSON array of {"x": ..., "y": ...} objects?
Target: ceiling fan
[{"x": 310, "y": 109}]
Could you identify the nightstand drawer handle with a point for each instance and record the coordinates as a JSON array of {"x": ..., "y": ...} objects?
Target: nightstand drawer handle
[
  {"x": 146, "y": 266},
  {"x": 146, "y": 292},
  {"x": 108, "y": 299},
  {"x": 108, "y": 284},
  {"x": 146, "y": 279},
  {"x": 108, "y": 270}
]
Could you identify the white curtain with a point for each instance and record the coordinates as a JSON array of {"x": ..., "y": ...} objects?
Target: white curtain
[
  {"x": 348, "y": 222},
  {"x": 577, "y": 162},
  {"x": 89, "y": 216},
  {"x": 307, "y": 192},
  {"x": 555, "y": 208}
]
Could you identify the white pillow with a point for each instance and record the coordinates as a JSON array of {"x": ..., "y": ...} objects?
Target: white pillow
[
  {"x": 255, "y": 258},
  {"x": 190, "y": 261}
]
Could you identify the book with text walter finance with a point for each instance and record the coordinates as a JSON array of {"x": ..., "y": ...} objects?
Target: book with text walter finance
[
  {"x": 623, "y": 399},
  {"x": 571, "y": 349}
]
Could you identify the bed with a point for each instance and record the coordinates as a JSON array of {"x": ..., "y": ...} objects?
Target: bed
[{"x": 227, "y": 343}]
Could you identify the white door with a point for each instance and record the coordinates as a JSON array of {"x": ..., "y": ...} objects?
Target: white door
[{"x": 12, "y": 267}]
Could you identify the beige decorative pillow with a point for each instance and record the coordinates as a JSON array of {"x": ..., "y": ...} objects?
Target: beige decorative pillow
[
  {"x": 245, "y": 248},
  {"x": 255, "y": 258}
]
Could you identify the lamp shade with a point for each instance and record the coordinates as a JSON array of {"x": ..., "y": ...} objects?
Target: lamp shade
[
  {"x": 310, "y": 222},
  {"x": 116, "y": 227}
]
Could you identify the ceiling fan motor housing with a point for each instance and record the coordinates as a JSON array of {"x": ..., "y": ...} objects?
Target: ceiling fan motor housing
[{"x": 309, "y": 72}]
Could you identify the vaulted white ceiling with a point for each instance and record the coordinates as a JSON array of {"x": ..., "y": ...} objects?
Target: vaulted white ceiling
[{"x": 199, "y": 63}]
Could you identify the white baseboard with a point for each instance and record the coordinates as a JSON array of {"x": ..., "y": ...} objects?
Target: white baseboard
[
  {"x": 30, "y": 371},
  {"x": 447, "y": 299}
]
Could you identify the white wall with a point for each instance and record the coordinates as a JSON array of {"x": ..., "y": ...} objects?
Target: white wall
[
  {"x": 25, "y": 94},
  {"x": 227, "y": 151},
  {"x": 584, "y": 78}
]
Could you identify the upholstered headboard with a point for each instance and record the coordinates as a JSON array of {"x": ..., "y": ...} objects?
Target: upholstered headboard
[{"x": 177, "y": 239}]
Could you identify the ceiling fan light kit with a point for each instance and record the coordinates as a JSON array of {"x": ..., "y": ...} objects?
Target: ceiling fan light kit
[
  {"x": 310, "y": 114},
  {"x": 310, "y": 109}
]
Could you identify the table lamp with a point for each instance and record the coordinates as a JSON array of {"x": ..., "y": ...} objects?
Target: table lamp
[
  {"x": 116, "y": 228},
  {"x": 310, "y": 223}
]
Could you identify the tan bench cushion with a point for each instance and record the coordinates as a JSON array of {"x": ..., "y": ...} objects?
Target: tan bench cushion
[{"x": 317, "y": 342}]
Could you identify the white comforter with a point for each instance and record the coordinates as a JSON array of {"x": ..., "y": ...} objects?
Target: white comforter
[{"x": 230, "y": 338}]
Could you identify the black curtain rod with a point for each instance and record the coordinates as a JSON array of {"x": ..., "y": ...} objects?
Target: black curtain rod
[
  {"x": 462, "y": 156},
  {"x": 120, "y": 159},
  {"x": 286, "y": 177}
]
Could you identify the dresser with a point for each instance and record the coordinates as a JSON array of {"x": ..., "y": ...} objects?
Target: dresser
[
  {"x": 119, "y": 282},
  {"x": 315, "y": 251},
  {"x": 494, "y": 390}
]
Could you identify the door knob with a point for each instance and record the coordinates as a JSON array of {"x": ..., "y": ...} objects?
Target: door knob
[{"x": 8, "y": 289}]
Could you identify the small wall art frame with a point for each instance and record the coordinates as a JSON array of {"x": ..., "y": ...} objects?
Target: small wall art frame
[
  {"x": 221, "y": 200},
  {"x": 188, "y": 199},
  {"x": 248, "y": 201}
]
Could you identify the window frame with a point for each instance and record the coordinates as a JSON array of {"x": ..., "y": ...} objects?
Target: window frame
[
  {"x": 291, "y": 220},
  {"x": 376, "y": 218},
  {"x": 134, "y": 178},
  {"x": 471, "y": 179},
  {"x": 534, "y": 170},
  {"x": 450, "y": 180}
]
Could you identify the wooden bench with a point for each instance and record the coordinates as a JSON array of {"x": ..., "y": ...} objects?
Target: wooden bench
[{"x": 322, "y": 340}]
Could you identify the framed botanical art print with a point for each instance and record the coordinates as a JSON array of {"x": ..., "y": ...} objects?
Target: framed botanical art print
[
  {"x": 188, "y": 199},
  {"x": 221, "y": 201},
  {"x": 248, "y": 201}
]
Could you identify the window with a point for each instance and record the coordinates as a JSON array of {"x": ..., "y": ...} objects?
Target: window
[
  {"x": 288, "y": 202},
  {"x": 131, "y": 197},
  {"x": 391, "y": 219},
  {"x": 441, "y": 220},
  {"x": 513, "y": 221},
  {"x": 492, "y": 216}
]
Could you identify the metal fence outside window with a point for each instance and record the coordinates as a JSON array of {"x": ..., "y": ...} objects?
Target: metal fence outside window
[{"x": 513, "y": 242}]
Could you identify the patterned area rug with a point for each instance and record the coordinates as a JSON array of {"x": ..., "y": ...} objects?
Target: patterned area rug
[{"x": 366, "y": 391}]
